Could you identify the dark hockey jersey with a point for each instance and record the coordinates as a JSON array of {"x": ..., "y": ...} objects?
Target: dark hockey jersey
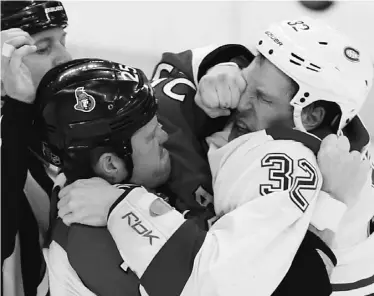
[
  {"x": 86, "y": 259},
  {"x": 175, "y": 80}
]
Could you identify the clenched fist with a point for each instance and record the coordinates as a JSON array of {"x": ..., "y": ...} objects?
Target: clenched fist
[
  {"x": 220, "y": 90},
  {"x": 344, "y": 173},
  {"x": 16, "y": 81}
]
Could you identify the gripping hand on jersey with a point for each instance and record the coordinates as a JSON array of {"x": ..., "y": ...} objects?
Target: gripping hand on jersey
[
  {"x": 16, "y": 79},
  {"x": 344, "y": 173},
  {"x": 220, "y": 90},
  {"x": 87, "y": 202}
]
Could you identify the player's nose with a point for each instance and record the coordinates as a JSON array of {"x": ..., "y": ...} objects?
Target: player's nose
[{"x": 245, "y": 104}]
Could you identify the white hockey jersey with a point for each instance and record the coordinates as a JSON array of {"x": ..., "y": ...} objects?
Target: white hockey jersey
[{"x": 265, "y": 191}]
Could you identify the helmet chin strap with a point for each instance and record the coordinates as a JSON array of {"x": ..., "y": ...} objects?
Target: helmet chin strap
[{"x": 297, "y": 118}]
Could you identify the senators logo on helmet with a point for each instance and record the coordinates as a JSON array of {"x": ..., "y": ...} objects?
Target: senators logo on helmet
[{"x": 85, "y": 102}]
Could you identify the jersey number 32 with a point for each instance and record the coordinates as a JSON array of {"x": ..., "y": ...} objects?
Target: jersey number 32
[{"x": 281, "y": 174}]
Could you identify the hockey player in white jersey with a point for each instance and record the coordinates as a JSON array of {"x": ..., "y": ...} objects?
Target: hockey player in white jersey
[
  {"x": 228, "y": 260},
  {"x": 353, "y": 243},
  {"x": 339, "y": 72}
]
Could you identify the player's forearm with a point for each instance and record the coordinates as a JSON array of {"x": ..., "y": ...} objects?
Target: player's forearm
[
  {"x": 235, "y": 53},
  {"x": 176, "y": 77},
  {"x": 162, "y": 244}
]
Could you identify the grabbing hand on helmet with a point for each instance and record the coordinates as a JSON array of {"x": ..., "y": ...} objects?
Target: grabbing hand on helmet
[
  {"x": 220, "y": 90},
  {"x": 16, "y": 81},
  {"x": 87, "y": 202},
  {"x": 344, "y": 173}
]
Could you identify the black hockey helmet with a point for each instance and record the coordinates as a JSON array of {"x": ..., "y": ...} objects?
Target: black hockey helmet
[
  {"x": 89, "y": 103},
  {"x": 33, "y": 16}
]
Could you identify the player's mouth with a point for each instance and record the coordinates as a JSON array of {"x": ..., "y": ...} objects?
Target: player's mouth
[{"x": 239, "y": 128}]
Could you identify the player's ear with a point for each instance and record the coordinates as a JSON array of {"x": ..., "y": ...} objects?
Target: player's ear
[
  {"x": 111, "y": 168},
  {"x": 312, "y": 116}
]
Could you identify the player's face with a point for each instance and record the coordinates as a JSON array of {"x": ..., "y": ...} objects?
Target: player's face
[
  {"x": 50, "y": 52},
  {"x": 266, "y": 100},
  {"x": 151, "y": 160}
]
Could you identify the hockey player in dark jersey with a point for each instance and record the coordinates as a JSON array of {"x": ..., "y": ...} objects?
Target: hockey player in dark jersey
[
  {"x": 97, "y": 118},
  {"x": 147, "y": 267}
]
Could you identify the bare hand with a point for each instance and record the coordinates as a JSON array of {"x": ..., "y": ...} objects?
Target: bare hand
[
  {"x": 16, "y": 81},
  {"x": 344, "y": 173},
  {"x": 220, "y": 90},
  {"x": 87, "y": 202}
]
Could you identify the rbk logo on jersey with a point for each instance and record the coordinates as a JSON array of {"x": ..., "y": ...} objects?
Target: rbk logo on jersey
[
  {"x": 136, "y": 224},
  {"x": 85, "y": 102}
]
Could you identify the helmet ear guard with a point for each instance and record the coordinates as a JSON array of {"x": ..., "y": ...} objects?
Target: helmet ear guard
[
  {"x": 324, "y": 63},
  {"x": 33, "y": 16}
]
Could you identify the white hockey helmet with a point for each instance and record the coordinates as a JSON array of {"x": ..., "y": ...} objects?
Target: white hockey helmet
[{"x": 324, "y": 63}]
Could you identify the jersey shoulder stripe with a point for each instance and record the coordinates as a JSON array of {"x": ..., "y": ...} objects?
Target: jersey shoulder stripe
[
  {"x": 353, "y": 285},
  {"x": 309, "y": 140}
]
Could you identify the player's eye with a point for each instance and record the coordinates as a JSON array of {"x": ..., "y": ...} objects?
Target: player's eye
[
  {"x": 43, "y": 49},
  {"x": 261, "y": 97}
]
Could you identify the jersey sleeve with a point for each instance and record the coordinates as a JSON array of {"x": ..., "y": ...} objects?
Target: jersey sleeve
[
  {"x": 248, "y": 250},
  {"x": 186, "y": 68},
  {"x": 196, "y": 62}
]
